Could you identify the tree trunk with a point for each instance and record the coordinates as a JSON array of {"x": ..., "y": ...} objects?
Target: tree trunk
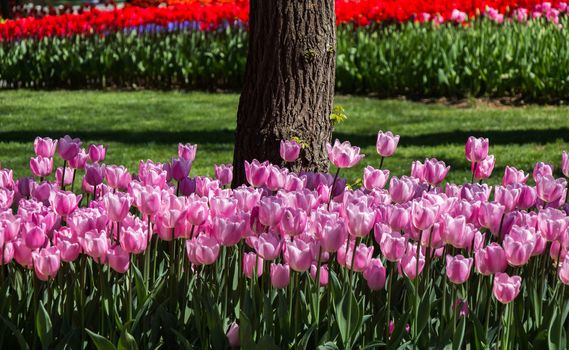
[{"x": 289, "y": 83}]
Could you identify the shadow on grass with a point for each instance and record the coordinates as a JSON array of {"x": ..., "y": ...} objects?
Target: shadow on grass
[
  {"x": 226, "y": 136},
  {"x": 459, "y": 137}
]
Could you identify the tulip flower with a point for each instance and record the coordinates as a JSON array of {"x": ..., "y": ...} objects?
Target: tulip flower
[
  {"x": 402, "y": 189},
  {"x": 519, "y": 245},
  {"x": 423, "y": 215},
  {"x": 46, "y": 263},
  {"x": 476, "y": 149},
  {"x": 68, "y": 147},
  {"x": 374, "y": 179},
  {"x": 507, "y": 196},
  {"x": 95, "y": 244},
  {"x": 491, "y": 259},
  {"x": 375, "y": 275},
  {"x": 418, "y": 170},
  {"x": 45, "y": 147},
  {"x": 458, "y": 268},
  {"x": 565, "y": 163},
  {"x": 271, "y": 211},
  {"x": 119, "y": 259},
  {"x": 506, "y": 288},
  {"x": 250, "y": 260},
  {"x": 277, "y": 178},
  {"x": 79, "y": 161},
  {"x": 41, "y": 166},
  {"x": 187, "y": 151},
  {"x": 180, "y": 168},
  {"x": 117, "y": 206},
  {"x": 483, "y": 169},
  {"x": 552, "y": 223},
  {"x": 233, "y": 335},
  {"x": 408, "y": 263},
  {"x": 298, "y": 255},
  {"x": 542, "y": 169},
  {"x": 343, "y": 155},
  {"x": 280, "y": 275},
  {"x": 332, "y": 234},
  {"x": 550, "y": 189},
  {"x": 386, "y": 143},
  {"x": 97, "y": 153},
  {"x": 564, "y": 270},
  {"x": 94, "y": 174},
  {"x": 293, "y": 222},
  {"x": 360, "y": 261},
  {"x": 228, "y": 231},
  {"x": 393, "y": 246},
  {"x": 513, "y": 176},
  {"x": 360, "y": 219},
  {"x": 289, "y": 150},
  {"x": 64, "y": 203},
  {"x": 202, "y": 250},
  {"x": 222, "y": 206},
  {"x": 224, "y": 173},
  {"x": 490, "y": 216},
  {"x": 117, "y": 177},
  {"x": 324, "y": 274},
  {"x": 256, "y": 173},
  {"x": 267, "y": 245},
  {"x": 435, "y": 171}
]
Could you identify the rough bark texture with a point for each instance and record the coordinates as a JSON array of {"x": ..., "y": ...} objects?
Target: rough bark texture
[{"x": 289, "y": 83}]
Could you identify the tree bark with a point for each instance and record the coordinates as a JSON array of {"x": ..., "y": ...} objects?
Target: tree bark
[{"x": 289, "y": 83}]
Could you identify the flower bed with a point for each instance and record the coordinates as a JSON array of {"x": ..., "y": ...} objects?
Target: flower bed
[{"x": 159, "y": 257}]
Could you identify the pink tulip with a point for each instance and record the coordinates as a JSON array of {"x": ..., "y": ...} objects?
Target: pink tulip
[
  {"x": 476, "y": 149},
  {"x": 280, "y": 275},
  {"x": 386, "y": 143},
  {"x": 552, "y": 223},
  {"x": 423, "y": 215},
  {"x": 119, "y": 259},
  {"x": 46, "y": 263},
  {"x": 187, "y": 151},
  {"x": 507, "y": 196},
  {"x": 117, "y": 206},
  {"x": 418, "y": 170},
  {"x": 435, "y": 171},
  {"x": 343, "y": 155},
  {"x": 483, "y": 169},
  {"x": 375, "y": 275},
  {"x": 233, "y": 335},
  {"x": 7, "y": 179},
  {"x": 64, "y": 203},
  {"x": 332, "y": 234},
  {"x": 289, "y": 150},
  {"x": 528, "y": 197},
  {"x": 454, "y": 229},
  {"x": 408, "y": 263},
  {"x": 402, "y": 189},
  {"x": 224, "y": 173},
  {"x": 398, "y": 217},
  {"x": 187, "y": 186},
  {"x": 7, "y": 253},
  {"x": 94, "y": 174},
  {"x": 117, "y": 177},
  {"x": 491, "y": 259},
  {"x": 267, "y": 245},
  {"x": 506, "y": 288},
  {"x": 202, "y": 250},
  {"x": 271, "y": 211},
  {"x": 68, "y": 177},
  {"x": 228, "y": 231},
  {"x": 41, "y": 166},
  {"x": 542, "y": 169},
  {"x": 23, "y": 254},
  {"x": 150, "y": 201},
  {"x": 458, "y": 17},
  {"x": 180, "y": 168},
  {"x": 513, "y": 176},
  {"x": 519, "y": 245},
  {"x": 324, "y": 274},
  {"x": 45, "y": 147},
  {"x": 79, "y": 161},
  {"x": 360, "y": 219},
  {"x": 97, "y": 153},
  {"x": 256, "y": 173},
  {"x": 6, "y": 198},
  {"x": 293, "y": 222},
  {"x": 222, "y": 207},
  {"x": 134, "y": 239},
  {"x": 458, "y": 268},
  {"x": 392, "y": 246},
  {"x": 565, "y": 163},
  {"x": 34, "y": 236},
  {"x": 550, "y": 189},
  {"x": 298, "y": 255},
  {"x": 374, "y": 179},
  {"x": 249, "y": 261},
  {"x": 68, "y": 147},
  {"x": 490, "y": 216},
  {"x": 95, "y": 244},
  {"x": 362, "y": 256},
  {"x": 277, "y": 178}
]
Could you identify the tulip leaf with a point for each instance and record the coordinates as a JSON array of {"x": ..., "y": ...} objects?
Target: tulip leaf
[
  {"x": 266, "y": 343},
  {"x": 17, "y": 333},
  {"x": 349, "y": 316},
  {"x": 458, "y": 337},
  {"x": 127, "y": 341},
  {"x": 556, "y": 335},
  {"x": 101, "y": 343},
  {"x": 183, "y": 343},
  {"x": 43, "y": 327}
]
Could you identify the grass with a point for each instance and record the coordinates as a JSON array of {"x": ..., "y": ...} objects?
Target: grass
[{"x": 149, "y": 124}]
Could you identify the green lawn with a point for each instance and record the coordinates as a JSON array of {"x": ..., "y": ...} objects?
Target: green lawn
[{"x": 149, "y": 124}]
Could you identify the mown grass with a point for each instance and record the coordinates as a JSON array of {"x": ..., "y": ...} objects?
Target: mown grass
[{"x": 149, "y": 124}]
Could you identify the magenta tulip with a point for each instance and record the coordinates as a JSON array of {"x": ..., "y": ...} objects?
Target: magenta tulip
[
  {"x": 393, "y": 246},
  {"x": 476, "y": 149},
  {"x": 360, "y": 219},
  {"x": 289, "y": 150},
  {"x": 117, "y": 206},
  {"x": 458, "y": 268},
  {"x": 374, "y": 179},
  {"x": 565, "y": 163},
  {"x": 519, "y": 245},
  {"x": 298, "y": 255},
  {"x": 507, "y": 196},
  {"x": 94, "y": 174},
  {"x": 483, "y": 169},
  {"x": 46, "y": 263},
  {"x": 280, "y": 275},
  {"x": 542, "y": 169},
  {"x": 375, "y": 275},
  {"x": 233, "y": 335},
  {"x": 68, "y": 148},
  {"x": 386, "y": 143},
  {"x": 362, "y": 257},
  {"x": 202, "y": 250},
  {"x": 252, "y": 262},
  {"x": 64, "y": 203},
  {"x": 119, "y": 259},
  {"x": 45, "y": 147},
  {"x": 228, "y": 231},
  {"x": 550, "y": 189},
  {"x": 79, "y": 161},
  {"x": 513, "y": 176},
  {"x": 293, "y": 222},
  {"x": 552, "y": 223},
  {"x": 491, "y": 259},
  {"x": 506, "y": 288},
  {"x": 187, "y": 151},
  {"x": 97, "y": 153},
  {"x": 324, "y": 274},
  {"x": 490, "y": 216},
  {"x": 408, "y": 263},
  {"x": 402, "y": 189},
  {"x": 271, "y": 211},
  {"x": 95, "y": 244},
  {"x": 423, "y": 215},
  {"x": 256, "y": 173},
  {"x": 435, "y": 171},
  {"x": 564, "y": 270},
  {"x": 267, "y": 245},
  {"x": 224, "y": 173},
  {"x": 41, "y": 166},
  {"x": 343, "y": 155}
]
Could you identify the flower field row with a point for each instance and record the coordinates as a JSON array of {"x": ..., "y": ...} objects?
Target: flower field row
[{"x": 158, "y": 257}]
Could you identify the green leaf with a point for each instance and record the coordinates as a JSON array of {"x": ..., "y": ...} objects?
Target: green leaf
[
  {"x": 458, "y": 337},
  {"x": 17, "y": 333},
  {"x": 127, "y": 341},
  {"x": 266, "y": 343},
  {"x": 43, "y": 327},
  {"x": 349, "y": 322},
  {"x": 101, "y": 343},
  {"x": 556, "y": 336}
]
